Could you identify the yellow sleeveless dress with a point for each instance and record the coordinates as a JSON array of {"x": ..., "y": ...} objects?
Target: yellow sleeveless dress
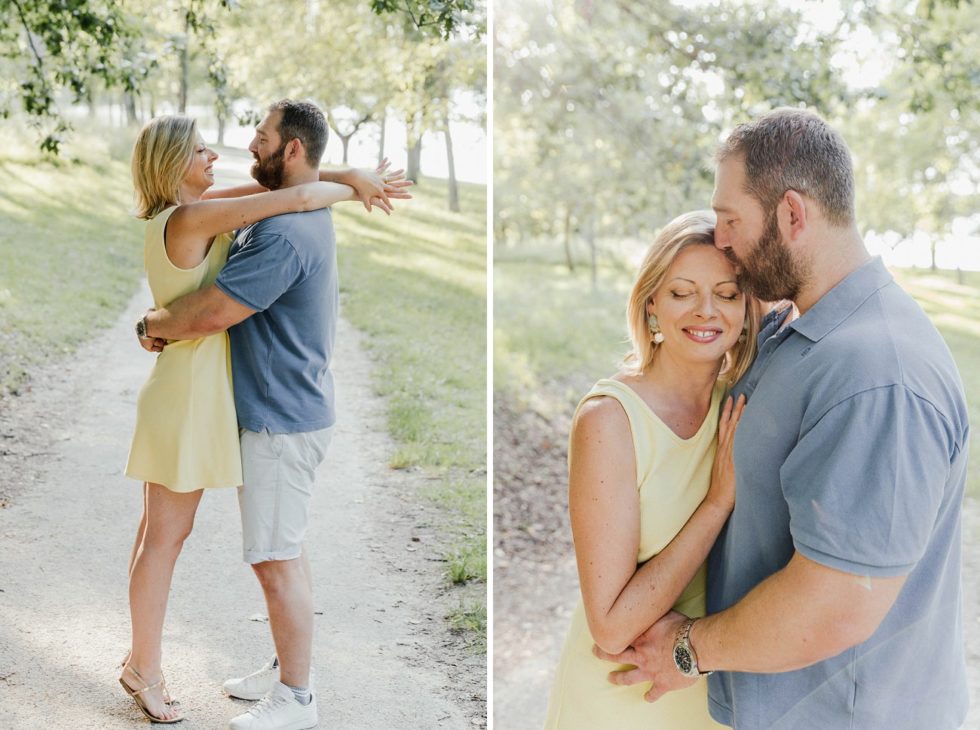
[
  {"x": 672, "y": 476},
  {"x": 186, "y": 433}
]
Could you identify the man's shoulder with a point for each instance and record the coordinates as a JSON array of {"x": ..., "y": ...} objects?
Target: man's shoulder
[
  {"x": 889, "y": 342},
  {"x": 299, "y": 230},
  {"x": 286, "y": 223}
]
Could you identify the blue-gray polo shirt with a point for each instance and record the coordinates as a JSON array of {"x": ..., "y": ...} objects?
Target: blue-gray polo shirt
[
  {"x": 285, "y": 268},
  {"x": 852, "y": 450}
]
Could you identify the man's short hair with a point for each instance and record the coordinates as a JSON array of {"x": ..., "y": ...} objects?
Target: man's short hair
[
  {"x": 304, "y": 121},
  {"x": 794, "y": 149}
]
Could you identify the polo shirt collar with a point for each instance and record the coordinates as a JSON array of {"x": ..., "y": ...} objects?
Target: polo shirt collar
[{"x": 840, "y": 302}]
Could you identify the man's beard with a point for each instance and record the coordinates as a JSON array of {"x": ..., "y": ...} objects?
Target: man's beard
[
  {"x": 769, "y": 271},
  {"x": 270, "y": 172}
]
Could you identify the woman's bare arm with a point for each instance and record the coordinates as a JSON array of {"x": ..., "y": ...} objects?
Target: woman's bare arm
[
  {"x": 621, "y": 599},
  {"x": 379, "y": 183},
  {"x": 192, "y": 226}
]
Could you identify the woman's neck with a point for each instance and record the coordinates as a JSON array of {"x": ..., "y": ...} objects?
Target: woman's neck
[
  {"x": 688, "y": 382},
  {"x": 188, "y": 194}
]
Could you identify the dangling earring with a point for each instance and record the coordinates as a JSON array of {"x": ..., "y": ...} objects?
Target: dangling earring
[
  {"x": 654, "y": 326},
  {"x": 745, "y": 332}
]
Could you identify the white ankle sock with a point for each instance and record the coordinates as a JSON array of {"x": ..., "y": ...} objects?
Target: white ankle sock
[{"x": 302, "y": 694}]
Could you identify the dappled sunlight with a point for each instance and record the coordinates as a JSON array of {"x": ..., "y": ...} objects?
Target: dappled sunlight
[
  {"x": 556, "y": 328},
  {"x": 475, "y": 281},
  {"x": 64, "y": 227}
]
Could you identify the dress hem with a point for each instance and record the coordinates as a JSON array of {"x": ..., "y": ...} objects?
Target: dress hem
[{"x": 180, "y": 488}]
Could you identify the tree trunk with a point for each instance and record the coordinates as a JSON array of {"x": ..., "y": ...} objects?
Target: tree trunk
[
  {"x": 414, "y": 169},
  {"x": 413, "y": 130},
  {"x": 453, "y": 185},
  {"x": 590, "y": 238},
  {"x": 381, "y": 143},
  {"x": 960, "y": 279},
  {"x": 184, "y": 66},
  {"x": 129, "y": 101},
  {"x": 221, "y": 127},
  {"x": 932, "y": 255},
  {"x": 568, "y": 240},
  {"x": 345, "y": 141}
]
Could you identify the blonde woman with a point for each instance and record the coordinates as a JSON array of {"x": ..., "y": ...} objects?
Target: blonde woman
[
  {"x": 186, "y": 436},
  {"x": 650, "y": 477}
]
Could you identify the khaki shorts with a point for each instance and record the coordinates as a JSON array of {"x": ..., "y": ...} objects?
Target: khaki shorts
[{"x": 278, "y": 472}]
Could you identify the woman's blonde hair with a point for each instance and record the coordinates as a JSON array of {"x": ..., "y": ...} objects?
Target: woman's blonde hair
[
  {"x": 696, "y": 228},
  {"x": 161, "y": 157}
]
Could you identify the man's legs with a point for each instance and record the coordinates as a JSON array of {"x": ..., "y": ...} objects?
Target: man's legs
[
  {"x": 279, "y": 472},
  {"x": 289, "y": 599}
]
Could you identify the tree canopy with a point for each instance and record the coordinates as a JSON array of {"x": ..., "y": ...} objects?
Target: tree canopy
[
  {"x": 612, "y": 110},
  {"x": 54, "y": 51}
]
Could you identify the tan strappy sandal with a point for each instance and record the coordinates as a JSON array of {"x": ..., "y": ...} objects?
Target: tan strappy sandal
[{"x": 135, "y": 694}]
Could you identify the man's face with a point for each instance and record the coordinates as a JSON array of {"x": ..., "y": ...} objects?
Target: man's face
[
  {"x": 268, "y": 149},
  {"x": 751, "y": 238}
]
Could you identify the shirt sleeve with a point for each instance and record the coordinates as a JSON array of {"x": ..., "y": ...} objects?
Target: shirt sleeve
[
  {"x": 259, "y": 272},
  {"x": 865, "y": 483}
]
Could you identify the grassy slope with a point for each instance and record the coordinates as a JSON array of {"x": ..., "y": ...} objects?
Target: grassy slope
[
  {"x": 70, "y": 256},
  {"x": 551, "y": 330},
  {"x": 416, "y": 284}
]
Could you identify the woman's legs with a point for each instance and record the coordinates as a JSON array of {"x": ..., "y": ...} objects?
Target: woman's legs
[
  {"x": 137, "y": 544},
  {"x": 168, "y": 519},
  {"x": 140, "y": 531}
]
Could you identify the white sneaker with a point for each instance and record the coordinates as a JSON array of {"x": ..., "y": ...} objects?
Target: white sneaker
[
  {"x": 278, "y": 710},
  {"x": 257, "y": 685}
]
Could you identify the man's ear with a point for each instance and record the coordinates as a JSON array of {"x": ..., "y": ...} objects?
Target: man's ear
[
  {"x": 792, "y": 215},
  {"x": 295, "y": 150}
]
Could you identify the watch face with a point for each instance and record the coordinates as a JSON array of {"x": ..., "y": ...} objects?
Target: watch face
[{"x": 683, "y": 660}]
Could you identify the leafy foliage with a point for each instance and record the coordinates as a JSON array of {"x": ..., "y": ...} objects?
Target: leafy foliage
[
  {"x": 52, "y": 49},
  {"x": 50, "y": 46},
  {"x": 446, "y": 17},
  {"x": 612, "y": 110}
]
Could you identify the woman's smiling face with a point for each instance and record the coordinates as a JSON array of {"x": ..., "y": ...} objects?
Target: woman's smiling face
[
  {"x": 199, "y": 174},
  {"x": 699, "y": 307}
]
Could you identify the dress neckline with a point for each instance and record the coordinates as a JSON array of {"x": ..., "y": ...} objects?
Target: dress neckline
[{"x": 712, "y": 407}]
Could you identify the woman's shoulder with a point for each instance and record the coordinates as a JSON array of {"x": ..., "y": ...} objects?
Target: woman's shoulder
[
  {"x": 164, "y": 214},
  {"x": 156, "y": 225},
  {"x": 602, "y": 408}
]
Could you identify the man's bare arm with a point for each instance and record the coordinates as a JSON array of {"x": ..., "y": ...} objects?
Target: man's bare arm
[
  {"x": 198, "y": 314},
  {"x": 801, "y": 615}
]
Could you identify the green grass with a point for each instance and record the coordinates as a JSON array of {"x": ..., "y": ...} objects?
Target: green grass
[
  {"x": 416, "y": 284},
  {"x": 550, "y": 329},
  {"x": 554, "y": 336},
  {"x": 472, "y": 623},
  {"x": 70, "y": 256},
  {"x": 955, "y": 310}
]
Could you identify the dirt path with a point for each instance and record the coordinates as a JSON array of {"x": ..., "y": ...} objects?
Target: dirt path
[
  {"x": 535, "y": 581},
  {"x": 384, "y": 655}
]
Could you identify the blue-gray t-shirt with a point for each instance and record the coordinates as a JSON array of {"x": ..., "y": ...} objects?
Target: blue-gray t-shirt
[
  {"x": 852, "y": 450},
  {"x": 285, "y": 268}
]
